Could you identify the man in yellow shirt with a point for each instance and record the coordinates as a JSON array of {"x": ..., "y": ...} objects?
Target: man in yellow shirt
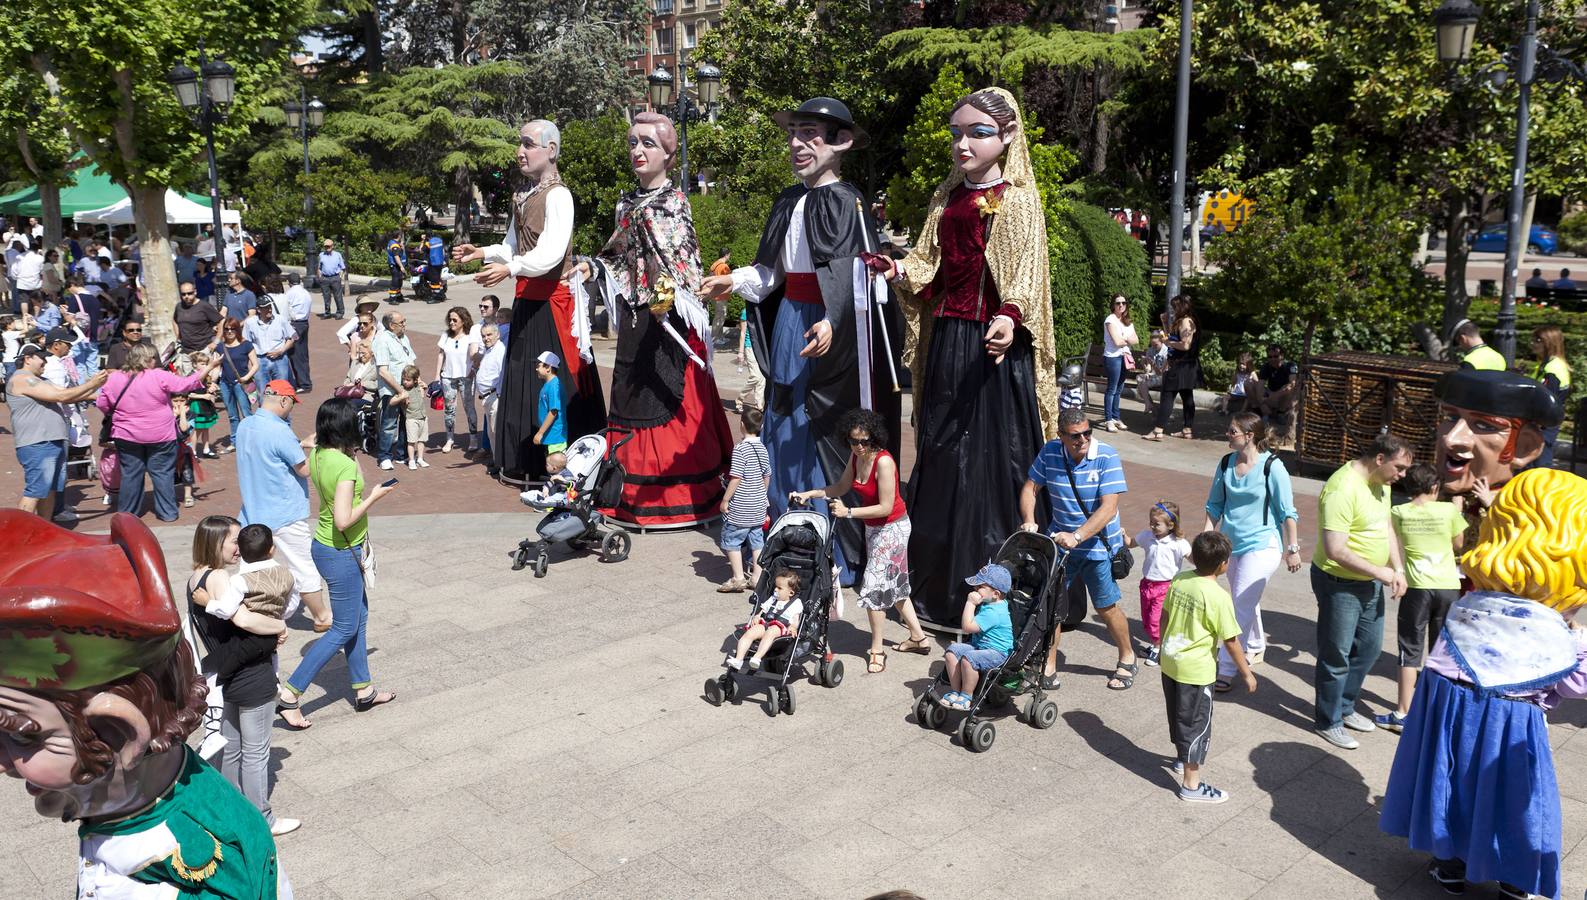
[
  {"x": 1357, "y": 558},
  {"x": 1474, "y": 353}
]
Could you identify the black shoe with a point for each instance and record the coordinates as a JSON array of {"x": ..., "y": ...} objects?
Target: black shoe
[
  {"x": 1049, "y": 682},
  {"x": 1449, "y": 875}
]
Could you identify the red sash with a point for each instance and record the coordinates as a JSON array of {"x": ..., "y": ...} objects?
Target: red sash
[
  {"x": 553, "y": 290},
  {"x": 802, "y": 287}
]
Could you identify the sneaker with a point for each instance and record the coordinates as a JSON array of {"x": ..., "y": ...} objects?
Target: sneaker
[
  {"x": 1390, "y": 721},
  {"x": 1254, "y": 659},
  {"x": 754, "y": 665},
  {"x": 412, "y": 466},
  {"x": 736, "y": 665},
  {"x": 1204, "y": 793},
  {"x": 385, "y": 465},
  {"x": 67, "y": 515},
  {"x": 1178, "y": 767},
  {"x": 1336, "y": 736},
  {"x": 1514, "y": 893},
  {"x": 423, "y": 464},
  {"x": 1049, "y": 682},
  {"x": 285, "y": 826},
  {"x": 1451, "y": 880},
  {"x": 1357, "y": 722},
  {"x": 1152, "y": 657}
]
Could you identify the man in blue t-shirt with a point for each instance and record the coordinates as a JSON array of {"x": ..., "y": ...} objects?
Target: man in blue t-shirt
[
  {"x": 396, "y": 261},
  {"x": 1086, "y": 525}
]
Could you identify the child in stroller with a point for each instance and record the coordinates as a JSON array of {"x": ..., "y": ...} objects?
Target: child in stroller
[
  {"x": 795, "y": 576},
  {"x": 584, "y": 479}
]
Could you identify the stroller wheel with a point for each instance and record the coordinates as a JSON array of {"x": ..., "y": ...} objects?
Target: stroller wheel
[
  {"x": 786, "y": 697},
  {"x": 541, "y": 563},
  {"x": 729, "y": 688},
  {"x": 520, "y": 559},
  {"x": 1043, "y": 714},
  {"x": 615, "y": 546},
  {"x": 928, "y": 713},
  {"x": 773, "y": 704},
  {"x": 978, "y": 736},
  {"x": 713, "y": 692},
  {"x": 832, "y": 673}
]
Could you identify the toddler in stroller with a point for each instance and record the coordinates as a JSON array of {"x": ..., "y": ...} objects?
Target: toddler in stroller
[
  {"x": 584, "y": 479},
  {"x": 792, "y": 602}
]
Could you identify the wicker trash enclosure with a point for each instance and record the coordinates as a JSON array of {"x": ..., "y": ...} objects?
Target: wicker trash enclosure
[{"x": 1349, "y": 396}]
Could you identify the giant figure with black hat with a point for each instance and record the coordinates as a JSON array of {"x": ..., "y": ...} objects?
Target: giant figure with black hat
[
  {"x": 826, "y": 321},
  {"x": 97, "y": 696},
  {"x": 1490, "y": 429}
]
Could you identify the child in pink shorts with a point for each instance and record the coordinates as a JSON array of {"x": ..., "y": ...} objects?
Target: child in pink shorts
[{"x": 1165, "y": 550}]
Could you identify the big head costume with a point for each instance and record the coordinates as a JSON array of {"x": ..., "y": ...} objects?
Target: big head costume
[
  {"x": 979, "y": 421},
  {"x": 1473, "y": 776},
  {"x": 97, "y": 695},
  {"x": 1491, "y": 427}
]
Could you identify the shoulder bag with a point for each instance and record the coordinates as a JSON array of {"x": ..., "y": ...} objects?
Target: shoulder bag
[
  {"x": 1123, "y": 562},
  {"x": 110, "y": 414}
]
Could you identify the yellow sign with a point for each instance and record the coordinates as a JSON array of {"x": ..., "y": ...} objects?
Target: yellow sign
[{"x": 1227, "y": 209}]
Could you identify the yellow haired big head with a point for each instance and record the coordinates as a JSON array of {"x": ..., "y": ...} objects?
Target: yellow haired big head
[{"x": 1533, "y": 541}]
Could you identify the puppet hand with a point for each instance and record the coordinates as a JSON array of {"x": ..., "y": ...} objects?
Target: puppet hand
[
  {"x": 716, "y": 287},
  {"x": 493, "y": 273},
  {"x": 999, "y": 337},
  {"x": 467, "y": 253},
  {"x": 879, "y": 264},
  {"x": 820, "y": 335}
]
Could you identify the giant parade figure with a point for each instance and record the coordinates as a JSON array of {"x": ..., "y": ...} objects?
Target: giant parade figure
[
  {"x": 1473, "y": 779},
  {"x": 1490, "y": 428},
  {"x": 545, "y": 317},
  {"x": 662, "y": 387},
  {"x": 98, "y": 693},
  {"x": 826, "y": 322},
  {"x": 978, "y": 314}
]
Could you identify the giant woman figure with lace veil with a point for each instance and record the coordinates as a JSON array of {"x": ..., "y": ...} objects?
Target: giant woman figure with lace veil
[{"x": 979, "y": 343}]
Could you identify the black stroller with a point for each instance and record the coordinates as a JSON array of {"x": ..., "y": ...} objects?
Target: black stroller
[
  {"x": 577, "y": 520},
  {"x": 800, "y": 541},
  {"x": 1036, "y": 601}
]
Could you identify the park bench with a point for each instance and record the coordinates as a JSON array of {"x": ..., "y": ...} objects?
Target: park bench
[{"x": 1574, "y": 299}]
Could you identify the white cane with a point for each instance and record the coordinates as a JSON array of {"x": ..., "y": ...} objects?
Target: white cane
[{"x": 887, "y": 341}]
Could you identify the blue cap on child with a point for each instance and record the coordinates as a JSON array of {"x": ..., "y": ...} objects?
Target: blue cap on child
[{"x": 993, "y": 576}]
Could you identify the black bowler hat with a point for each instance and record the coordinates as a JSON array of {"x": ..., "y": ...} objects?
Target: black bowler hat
[
  {"x": 829, "y": 110},
  {"x": 1505, "y": 394}
]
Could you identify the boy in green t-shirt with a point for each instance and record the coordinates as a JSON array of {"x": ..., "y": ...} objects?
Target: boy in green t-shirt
[
  {"x": 1431, "y": 532},
  {"x": 1198, "y": 614}
]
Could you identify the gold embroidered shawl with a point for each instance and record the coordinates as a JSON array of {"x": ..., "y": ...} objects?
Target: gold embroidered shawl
[{"x": 1016, "y": 258}]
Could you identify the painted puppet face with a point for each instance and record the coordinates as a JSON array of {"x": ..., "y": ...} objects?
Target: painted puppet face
[
  {"x": 36, "y": 746},
  {"x": 534, "y": 155},
  {"x": 978, "y": 143},
  {"x": 645, "y": 152},
  {"x": 1473, "y": 445},
  {"x": 811, "y": 152}
]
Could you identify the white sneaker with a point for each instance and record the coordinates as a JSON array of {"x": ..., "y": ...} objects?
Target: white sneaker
[
  {"x": 105, "y": 500},
  {"x": 285, "y": 826},
  {"x": 386, "y": 465},
  {"x": 1357, "y": 722},
  {"x": 423, "y": 464},
  {"x": 412, "y": 466}
]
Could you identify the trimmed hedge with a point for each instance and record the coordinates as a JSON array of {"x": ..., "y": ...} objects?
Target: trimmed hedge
[{"x": 1092, "y": 258}]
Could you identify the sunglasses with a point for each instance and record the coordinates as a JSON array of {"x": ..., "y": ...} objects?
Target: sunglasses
[
  {"x": 859, "y": 442},
  {"x": 1079, "y": 435}
]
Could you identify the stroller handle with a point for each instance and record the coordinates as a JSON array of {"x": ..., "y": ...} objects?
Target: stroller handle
[{"x": 627, "y": 435}]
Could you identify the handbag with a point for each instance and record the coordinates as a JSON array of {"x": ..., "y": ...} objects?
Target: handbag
[
  {"x": 349, "y": 392},
  {"x": 110, "y": 414},
  {"x": 1123, "y": 562}
]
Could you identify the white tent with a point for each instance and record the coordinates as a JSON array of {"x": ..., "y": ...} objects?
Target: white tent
[{"x": 178, "y": 211}]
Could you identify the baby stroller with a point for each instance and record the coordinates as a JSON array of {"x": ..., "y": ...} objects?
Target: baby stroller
[
  {"x": 369, "y": 425},
  {"x": 801, "y": 541},
  {"x": 576, "y": 517},
  {"x": 1034, "y": 601}
]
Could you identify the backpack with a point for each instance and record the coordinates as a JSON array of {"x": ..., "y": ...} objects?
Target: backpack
[{"x": 1267, "y": 484}]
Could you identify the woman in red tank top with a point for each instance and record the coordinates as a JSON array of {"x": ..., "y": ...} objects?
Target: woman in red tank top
[{"x": 872, "y": 477}]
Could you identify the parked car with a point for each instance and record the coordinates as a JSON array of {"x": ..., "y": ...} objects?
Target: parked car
[{"x": 1492, "y": 239}]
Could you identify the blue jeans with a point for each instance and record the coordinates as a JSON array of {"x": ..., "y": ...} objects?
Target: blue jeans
[
  {"x": 159, "y": 461},
  {"x": 86, "y": 355},
  {"x": 270, "y": 370},
  {"x": 344, "y": 583},
  {"x": 1097, "y": 574},
  {"x": 1114, "y": 366},
  {"x": 1349, "y": 636},
  {"x": 235, "y": 396},
  {"x": 390, "y": 425}
]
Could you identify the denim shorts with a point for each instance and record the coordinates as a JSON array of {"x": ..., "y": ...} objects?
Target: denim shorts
[
  {"x": 43, "y": 468},
  {"x": 980, "y": 660},
  {"x": 735, "y": 536},
  {"x": 1097, "y": 575}
]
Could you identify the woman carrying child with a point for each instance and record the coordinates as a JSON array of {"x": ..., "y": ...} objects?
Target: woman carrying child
[
  {"x": 1165, "y": 549},
  {"x": 880, "y": 504},
  {"x": 243, "y": 663},
  {"x": 1252, "y": 503}
]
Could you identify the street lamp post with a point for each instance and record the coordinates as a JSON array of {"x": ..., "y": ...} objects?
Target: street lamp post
[
  {"x": 1456, "y": 21},
  {"x": 306, "y": 116},
  {"x": 206, "y": 101},
  {"x": 707, "y": 84},
  {"x": 1176, "y": 209}
]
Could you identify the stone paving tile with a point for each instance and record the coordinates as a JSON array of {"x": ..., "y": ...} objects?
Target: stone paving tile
[
  {"x": 649, "y": 876},
  {"x": 528, "y": 870}
]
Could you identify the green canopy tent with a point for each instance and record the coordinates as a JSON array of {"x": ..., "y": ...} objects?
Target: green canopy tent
[
  {"x": 22, "y": 196},
  {"x": 92, "y": 190}
]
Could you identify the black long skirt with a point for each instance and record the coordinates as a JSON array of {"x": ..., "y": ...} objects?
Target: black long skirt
[
  {"x": 978, "y": 430},
  {"x": 535, "y": 329}
]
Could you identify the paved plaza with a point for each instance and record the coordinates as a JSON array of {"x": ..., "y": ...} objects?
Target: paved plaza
[{"x": 550, "y": 738}]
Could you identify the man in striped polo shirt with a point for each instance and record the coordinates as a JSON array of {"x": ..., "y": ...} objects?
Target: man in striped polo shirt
[
  {"x": 744, "y": 506},
  {"x": 1087, "y": 526}
]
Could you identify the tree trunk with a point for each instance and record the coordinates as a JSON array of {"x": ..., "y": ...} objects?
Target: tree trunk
[
  {"x": 463, "y": 221},
  {"x": 1300, "y": 385},
  {"x": 50, "y": 200},
  {"x": 374, "y": 58},
  {"x": 459, "y": 11},
  {"x": 159, "y": 275},
  {"x": 1456, "y": 300}
]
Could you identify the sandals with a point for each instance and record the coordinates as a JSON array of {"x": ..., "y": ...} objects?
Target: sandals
[
  {"x": 375, "y": 698},
  {"x": 872, "y": 667},
  {"x": 291, "y": 706},
  {"x": 1222, "y": 686},
  {"x": 911, "y": 645},
  {"x": 957, "y": 700},
  {"x": 1187, "y": 434},
  {"x": 1152, "y": 436},
  {"x": 1127, "y": 680},
  {"x": 734, "y": 586}
]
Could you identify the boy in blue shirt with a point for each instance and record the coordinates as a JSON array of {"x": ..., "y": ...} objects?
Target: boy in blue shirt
[
  {"x": 986, "y": 621},
  {"x": 553, "y": 433}
]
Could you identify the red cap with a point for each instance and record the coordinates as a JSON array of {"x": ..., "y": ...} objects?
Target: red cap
[{"x": 282, "y": 388}]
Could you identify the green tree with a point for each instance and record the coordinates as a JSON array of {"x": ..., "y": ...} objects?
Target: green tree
[
  {"x": 1091, "y": 260},
  {"x": 927, "y": 156},
  {"x": 36, "y": 142},
  {"x": 594, "y": 164},
  {"x": 107, "y": 68},
  {"x": 355, "y": 203}
]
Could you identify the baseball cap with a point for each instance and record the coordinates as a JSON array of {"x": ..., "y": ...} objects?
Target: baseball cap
[
  {"x": 264, "y": 300},
  {"x": 58, "y": 333},
  {"x": 282, "y": 388},
  {"x": 31, "y": 350},
  {"x": 549, "y": 358},
  {"x": 993, "y": 576}
]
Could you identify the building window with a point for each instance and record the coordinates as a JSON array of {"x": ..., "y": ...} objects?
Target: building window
[
  {"x": 663, "y": 7},
  {"x": 663, "y": 40},
  {"x": 688, "y": 36}
]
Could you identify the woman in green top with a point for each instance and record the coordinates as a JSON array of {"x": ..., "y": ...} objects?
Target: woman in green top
[
  {"x": 1548, "y": 349},
  {"x": 338, "y": 552}
]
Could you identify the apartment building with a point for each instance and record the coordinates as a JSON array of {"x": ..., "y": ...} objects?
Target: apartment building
[{"x": 674, "y": 29}]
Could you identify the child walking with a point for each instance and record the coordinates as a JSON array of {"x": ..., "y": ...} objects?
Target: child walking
[
  {"x": 777, "y": 615},
  {"x": 1197, "y": 615},
  {"x": 553, "y": 431},
  {"x": 745, "y": 503},
  {"x": 986, "y": 620},
  {"x": 1431, "y": 532},
  {"x": 414, "y": 417},
  {"x": 201, "y": 409},
  {"x": 1165, "y": 549}
]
